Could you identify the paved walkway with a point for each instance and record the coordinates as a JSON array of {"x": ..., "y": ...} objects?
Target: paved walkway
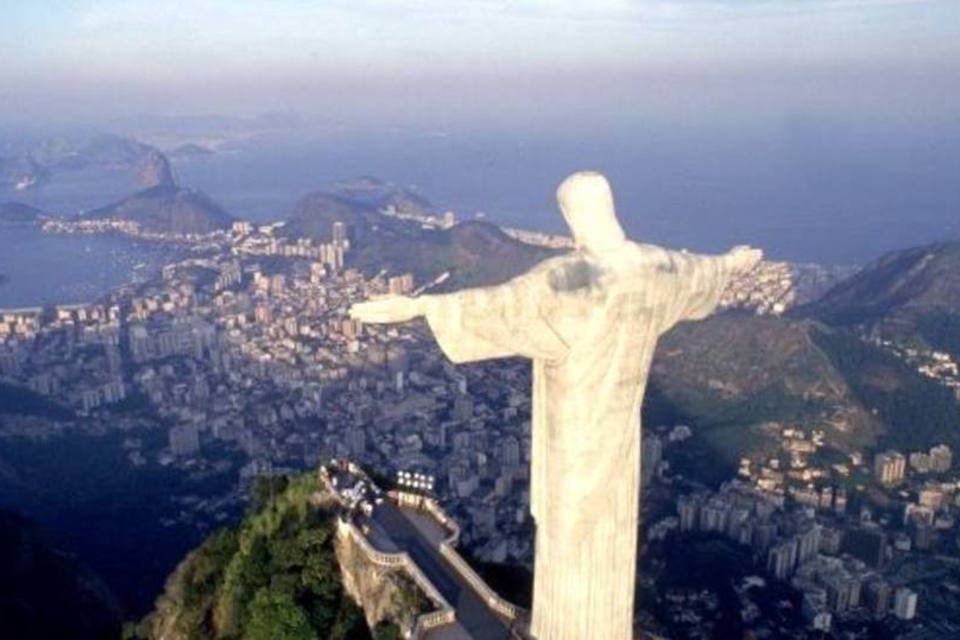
[{"x": 395, "y": 529}]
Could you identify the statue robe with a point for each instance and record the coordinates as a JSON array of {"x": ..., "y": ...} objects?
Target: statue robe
[{"x": 590, "y": 324}]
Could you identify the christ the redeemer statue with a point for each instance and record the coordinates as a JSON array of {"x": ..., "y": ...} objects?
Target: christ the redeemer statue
[{"x": 589, "y": 320}]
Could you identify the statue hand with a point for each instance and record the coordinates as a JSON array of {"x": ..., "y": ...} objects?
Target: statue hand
[
  {"x": 743, "y": 258},
  {"x": 387, "y": 309}
]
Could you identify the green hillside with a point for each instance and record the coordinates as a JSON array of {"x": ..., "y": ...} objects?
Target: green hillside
[{"x": 272, "y": 577}]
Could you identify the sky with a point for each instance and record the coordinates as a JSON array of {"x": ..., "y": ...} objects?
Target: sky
[
  {"x": 809, "y": 126},
  {"x": 476, "y": 59}
]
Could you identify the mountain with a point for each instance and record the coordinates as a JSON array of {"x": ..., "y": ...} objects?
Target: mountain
[
  {"x": 380, "y": 195},
  {"x": 168, "y": 209},
  {"x": 734, "y": 375},
  {"x": 101, "y": 150},
  {"x": 912, "y": 296},
  {"x": 45, "y": 594},
  {"x": 33, "y": 162},
  {"x": 165, "y": 207},
  {"x": 474, "y": 252},
  {"x": 155, "y": 171},
  {"x": 273, "y": 576},
  {"x": 18, "y": 213}
]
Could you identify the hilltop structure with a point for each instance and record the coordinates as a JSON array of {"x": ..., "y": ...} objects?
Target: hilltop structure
[{"x": 590, "y": 321}]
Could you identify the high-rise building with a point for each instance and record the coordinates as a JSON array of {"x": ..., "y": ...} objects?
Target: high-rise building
[
  {"x": 843, "y": 592},
  {"x": 920, "y": 462},
  {"x": 782, "y": 558},
  {"x": 652, "y": 454},
  {"x": 905, "y": 603},
  {"x": 877, "y": 597},
  {"x": 713, "y": 516},
  {"x": 510, "y": 452},
  {"x": 808, "y": 544},
  {"x": 688, "y": 508},
  {"x": 398, "y": 285},
  {"x": 941, "y": 459},
  {"x": 889, "y": 467},
  {"x": 339, "y": 233}
]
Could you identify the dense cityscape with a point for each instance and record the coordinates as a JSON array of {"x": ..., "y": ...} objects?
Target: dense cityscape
[{"x": 244, "y": 355}]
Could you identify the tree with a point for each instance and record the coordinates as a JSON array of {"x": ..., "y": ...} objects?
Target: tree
[{"x": 275, "y": 616}]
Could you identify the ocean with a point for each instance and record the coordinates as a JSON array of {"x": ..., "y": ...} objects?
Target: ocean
[
  {"x": 42, "y": 268},
  {"x": 805, "y": 190}
]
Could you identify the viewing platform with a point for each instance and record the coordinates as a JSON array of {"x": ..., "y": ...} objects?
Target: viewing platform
[{"x": 411, "y": 532}]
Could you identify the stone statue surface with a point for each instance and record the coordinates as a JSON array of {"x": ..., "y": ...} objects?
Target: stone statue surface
[{"x": 589, "y": 320}]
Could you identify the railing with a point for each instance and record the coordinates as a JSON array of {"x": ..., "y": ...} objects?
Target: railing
[
  {"x": 434, "y": 509},
  {"x": 493, "y": 600},
  {"x": 432, "y": 620},
  {"x": 445, "y": 614}
]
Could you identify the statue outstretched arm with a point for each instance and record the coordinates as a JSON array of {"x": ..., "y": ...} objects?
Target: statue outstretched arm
[
  {"x": 701, "y": 281},
  {"x": 388, "y": 309},
  {"x": 478, "y": 324}
]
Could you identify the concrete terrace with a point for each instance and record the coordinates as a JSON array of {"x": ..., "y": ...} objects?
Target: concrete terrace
[
  {"x": 403, "y": 529},
  {"x": 397, "y": 528}
]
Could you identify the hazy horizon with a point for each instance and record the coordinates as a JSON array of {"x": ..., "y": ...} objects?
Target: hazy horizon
[
  {"x": 826, "y": 129},
  {"x": 439, "y": 64}
]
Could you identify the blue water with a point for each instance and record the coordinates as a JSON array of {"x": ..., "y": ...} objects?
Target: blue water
[
  {"x": 805, "y": 190},
  {"x": 45, "y": 269}
]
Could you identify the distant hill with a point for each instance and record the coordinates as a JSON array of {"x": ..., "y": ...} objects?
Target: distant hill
[
  {"x": 46, "y": 595},
  {"x": 102, "y": 150},
  {"x": 911, "y": 295},
  {"x": 190, "y": 150},
  {"x": 168, "y": 209},
  {"x": 381, "y": 195},
  {"x": 732, "y": 373},
  {"x": 36, "y": 162},
  {"x": 165, "y": 207},
  {"x": 474, "y": 252},
  {"x": 18, "y": 213}
]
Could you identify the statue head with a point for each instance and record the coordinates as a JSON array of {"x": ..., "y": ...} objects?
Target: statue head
[{"x": 586, "y": 201}]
